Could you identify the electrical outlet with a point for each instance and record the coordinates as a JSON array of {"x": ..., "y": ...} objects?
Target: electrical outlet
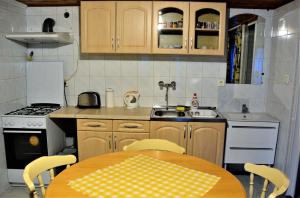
[{"x": 221, "y": 83}]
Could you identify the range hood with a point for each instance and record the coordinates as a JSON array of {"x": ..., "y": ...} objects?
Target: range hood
[{"x": 41, "y": 37}]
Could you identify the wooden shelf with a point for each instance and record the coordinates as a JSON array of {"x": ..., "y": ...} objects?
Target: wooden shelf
[
  {"x": 171, "y": 29},
  {"x": 207, "y": 30}
]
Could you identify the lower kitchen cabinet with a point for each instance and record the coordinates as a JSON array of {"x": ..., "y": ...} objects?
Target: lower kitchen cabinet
[
  {"x": 206, "y": 140},
  {"x": 172, "y": 131},
  {"x": 201, "y": 139},
  {"x": 122, "y": 139},
  {"x": 96, "y": 136},
  {"x": 91, "y": 143}
]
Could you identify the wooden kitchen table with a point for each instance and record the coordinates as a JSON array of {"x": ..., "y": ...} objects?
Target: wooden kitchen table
[{"x": 227, "y": 186}]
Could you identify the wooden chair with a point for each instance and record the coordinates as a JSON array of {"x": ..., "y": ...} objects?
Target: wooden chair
[
  {"x": 154, "y": 144},
  {"x": 273, "y": 175},
  {"x": 36, "y": 167}
]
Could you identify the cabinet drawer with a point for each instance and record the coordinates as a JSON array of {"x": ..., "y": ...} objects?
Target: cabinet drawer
[
  {"x": 243, "y": 155},
  {"x": 251, "y": 137},
  {"x": 94, "y": 125},
  {"x": 130, "y": 126}
]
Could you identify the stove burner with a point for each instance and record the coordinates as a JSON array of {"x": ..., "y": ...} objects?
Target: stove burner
[{"x": 34, "y": 110}]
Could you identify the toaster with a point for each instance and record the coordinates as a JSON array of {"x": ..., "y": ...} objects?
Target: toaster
[{"x": 89, "y": 100}]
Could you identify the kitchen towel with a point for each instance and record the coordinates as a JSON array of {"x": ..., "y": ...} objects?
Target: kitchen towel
[{"x": 144, "y": 176}]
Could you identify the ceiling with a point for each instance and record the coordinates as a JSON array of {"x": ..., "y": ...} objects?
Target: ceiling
[{"x": 254, "y": 4}]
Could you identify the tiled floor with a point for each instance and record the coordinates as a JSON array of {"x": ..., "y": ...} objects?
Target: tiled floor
[{"x": 21, "y": 192}]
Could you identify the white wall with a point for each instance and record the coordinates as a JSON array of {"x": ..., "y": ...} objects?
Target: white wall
[
  {"x": 127, "y": 72},
  {"x": 283, "y": 81},
  {"x": 12, "y": 69},
  {"x": 232, "y": 96}
]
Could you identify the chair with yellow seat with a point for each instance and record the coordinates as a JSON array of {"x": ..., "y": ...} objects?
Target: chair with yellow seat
[
  {"x": 154, "y": 144},
  {"x": 272, "y": 175},
  {"x": 42, "y": 164}
]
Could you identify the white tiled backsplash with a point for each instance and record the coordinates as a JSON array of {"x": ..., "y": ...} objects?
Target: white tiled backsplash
[
  {"x": 12, "y": 69},
  {"x": 126, "y": 72}
]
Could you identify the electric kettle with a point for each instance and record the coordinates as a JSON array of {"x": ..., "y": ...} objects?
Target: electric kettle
[{"x": 131, "y": 99}]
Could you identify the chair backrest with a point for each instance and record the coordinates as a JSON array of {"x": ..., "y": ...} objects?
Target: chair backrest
[
  {"x": 36, "y": 167},
  {"x": 154, "y": 144},
  {"x": 273, "y": 175}
]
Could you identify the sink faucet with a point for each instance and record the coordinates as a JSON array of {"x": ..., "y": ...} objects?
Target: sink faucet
[
  {"x": 161, "y": 85},
  {"x": 245, "y": 109}
]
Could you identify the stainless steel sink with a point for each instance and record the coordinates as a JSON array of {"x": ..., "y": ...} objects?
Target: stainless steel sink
[
  {"x": 203, "y": 113},
  {"x": 168, "y": 113},
  {"x": 171, "y": 113}
]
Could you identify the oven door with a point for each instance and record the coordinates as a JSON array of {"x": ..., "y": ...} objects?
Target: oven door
[{"x": 23, "y": 146}]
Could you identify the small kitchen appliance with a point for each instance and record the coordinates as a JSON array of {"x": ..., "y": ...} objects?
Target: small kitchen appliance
[
  {"x": 28, "y": 132},
  {"x": 131, "y": 99},
  {"x": 89, "y": 100}
]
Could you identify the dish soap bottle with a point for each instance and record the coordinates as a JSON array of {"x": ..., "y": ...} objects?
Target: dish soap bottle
[{"x": 195, "y": 103}]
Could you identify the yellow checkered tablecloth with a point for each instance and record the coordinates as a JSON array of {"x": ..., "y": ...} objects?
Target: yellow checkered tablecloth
[{"x": 144, "y": 176}]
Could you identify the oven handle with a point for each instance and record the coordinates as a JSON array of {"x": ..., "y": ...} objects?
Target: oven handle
[{"x": 23, "y": 132}]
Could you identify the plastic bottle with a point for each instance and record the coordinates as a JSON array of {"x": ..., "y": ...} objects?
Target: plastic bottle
[{"x": 195, "y": 103}]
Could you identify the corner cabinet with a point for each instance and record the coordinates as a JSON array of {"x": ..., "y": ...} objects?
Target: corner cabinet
[
  {"x": 110, "y": 27},
  {"x": 201, "y": 139},
  {"x": 97, "y": 26}
]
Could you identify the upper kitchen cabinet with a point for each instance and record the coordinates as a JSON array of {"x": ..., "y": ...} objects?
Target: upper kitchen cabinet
[
  {"x": 170, "y": 27},
  {"x": 98, "y": 26},
  {"x": 207, "y": 28},
  {"x": 134, "y": 21}
]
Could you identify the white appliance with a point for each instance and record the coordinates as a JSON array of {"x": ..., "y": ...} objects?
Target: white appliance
[
  {"x": 29, "y": 132},
  {"x": 131, "y": 99},
  {"x": 41, "y": 37}
]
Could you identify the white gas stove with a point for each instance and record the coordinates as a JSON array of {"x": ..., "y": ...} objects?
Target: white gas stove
[{"x": 28, "y": 132}]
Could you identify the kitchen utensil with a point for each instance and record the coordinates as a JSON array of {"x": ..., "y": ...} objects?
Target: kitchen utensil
[
  {"x": 109, "y": 93},
  {"x": 131, "y": 99},
  {"x": 89, "y": 100}
]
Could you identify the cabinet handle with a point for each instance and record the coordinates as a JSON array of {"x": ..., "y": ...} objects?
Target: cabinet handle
[
  {"x": 118, "y": 42},
  {"x": 184, "y": 132},
  {"x": 93, "y": 125},
  {"x": 109, "y": 142},
  {"x": 191, "y": 132},
  {"x": 131, "y": 126},
  {"x": 185, "y": 43},
  {"x": 113, "y": 43},
  {"x": 115, "y": 139},
  {"x": 191, "y": 43},
  {"x": 248, "y": 148}
]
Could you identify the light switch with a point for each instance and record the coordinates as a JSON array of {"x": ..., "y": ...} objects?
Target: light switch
[{"x": 221, "y": 83}]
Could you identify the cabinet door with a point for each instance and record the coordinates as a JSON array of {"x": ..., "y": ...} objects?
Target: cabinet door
[
  {"x": 122, "y": 139},
  {"x": 134, "y": 20},
  {"x": 207, "y": 28},
  {"x": 170, "y": 27},
  {"x": 206, "y": 140},
  {"x": 97, "y": 26},
  {"x": 91, "y": 143},
  {"x": 173, "y": 131}
]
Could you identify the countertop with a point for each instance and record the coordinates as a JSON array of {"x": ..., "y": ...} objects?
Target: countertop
[
  {"x": 117, "y": 113},
  {"x": 249, "y": 117}
]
